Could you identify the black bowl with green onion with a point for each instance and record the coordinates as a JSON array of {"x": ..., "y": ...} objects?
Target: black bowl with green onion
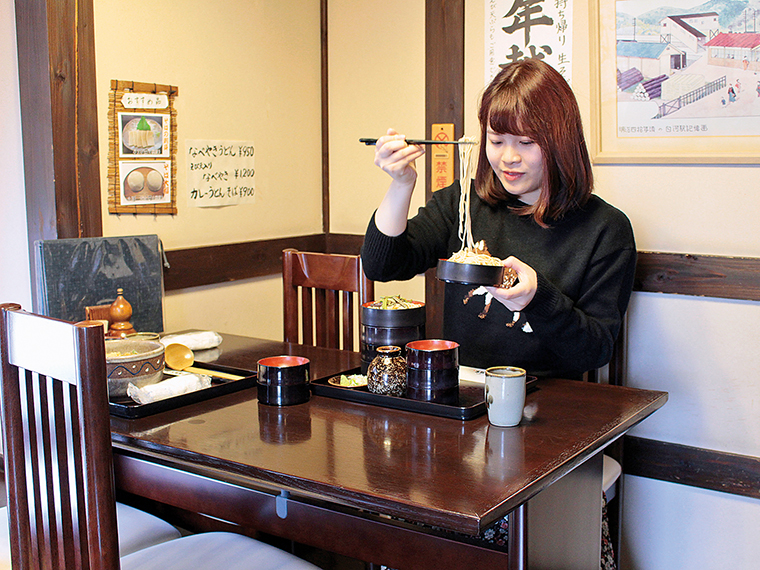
[{"x": 390, "y": 321}]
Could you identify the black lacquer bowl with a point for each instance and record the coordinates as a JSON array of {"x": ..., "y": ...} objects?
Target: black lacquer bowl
[
  {"x": 469, "y": 274},
  {"x": 283, "y": 380},
  {"x": 389, "y": 327}
]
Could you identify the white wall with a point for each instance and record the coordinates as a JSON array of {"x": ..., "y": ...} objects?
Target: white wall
[
  {"x": 246, "y": 71},
  {"x": 704, "y": 353},
  {"x": 14, "y": 251},
  {"x": 377, "y": 81}
]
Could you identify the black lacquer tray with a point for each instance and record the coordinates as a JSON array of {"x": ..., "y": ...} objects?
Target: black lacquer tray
[
  {"x": 471, "y": 402},
  {"x": 125, "y": 407},
  {"x": 469, "y": 274}
]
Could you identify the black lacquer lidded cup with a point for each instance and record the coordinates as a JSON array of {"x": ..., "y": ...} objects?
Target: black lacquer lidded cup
[{"x": 432, "y": 373}]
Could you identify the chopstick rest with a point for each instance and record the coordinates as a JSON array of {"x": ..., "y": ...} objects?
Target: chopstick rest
[{"x": 175, "y": 386}]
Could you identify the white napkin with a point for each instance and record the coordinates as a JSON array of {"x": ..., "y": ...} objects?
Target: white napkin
[
  {"x": 175, "y": 386},
  {"x": 472, "y": 374},
  {"x": 200, "y": 340}
]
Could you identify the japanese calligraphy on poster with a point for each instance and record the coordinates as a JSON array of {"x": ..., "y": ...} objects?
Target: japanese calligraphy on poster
[
  {"x": 686, "y": 73},
  {"x": 220, "y": 173},
  {"x": 528, "y": 29}
]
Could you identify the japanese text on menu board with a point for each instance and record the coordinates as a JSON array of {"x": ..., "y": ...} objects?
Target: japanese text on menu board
[
  {"x": 220, "y": 173},
  {"x": 528, "y": 29}
]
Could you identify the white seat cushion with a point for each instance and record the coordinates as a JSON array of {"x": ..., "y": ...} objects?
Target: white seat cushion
[
  {"x": 610, "y": 474},
  {"x": 214, "y": 551},
  {"x": 5, "y": 539},
  {"x": 137, "y": 530}
]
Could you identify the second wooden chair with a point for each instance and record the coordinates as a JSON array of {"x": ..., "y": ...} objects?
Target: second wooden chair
[{"x": 328, "y": 312}]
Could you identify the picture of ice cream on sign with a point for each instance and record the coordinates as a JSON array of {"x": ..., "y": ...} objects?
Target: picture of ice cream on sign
[{"x": 144, "y": 134}]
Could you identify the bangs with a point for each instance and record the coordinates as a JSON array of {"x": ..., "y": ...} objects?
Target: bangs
[{"x": 508, "y": 115}]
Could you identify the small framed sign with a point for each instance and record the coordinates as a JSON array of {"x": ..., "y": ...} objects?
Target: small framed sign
[{"x": 142, "y": 148}]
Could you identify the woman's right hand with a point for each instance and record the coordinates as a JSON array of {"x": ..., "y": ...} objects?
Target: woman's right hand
[{"x": 395, "y": 157}]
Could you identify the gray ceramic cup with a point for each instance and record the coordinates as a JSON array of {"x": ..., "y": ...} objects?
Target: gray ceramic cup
[{"x": 505, "y": 395}]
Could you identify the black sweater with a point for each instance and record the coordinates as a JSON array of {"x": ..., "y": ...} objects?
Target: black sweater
[{"x": 585, "y": 264}]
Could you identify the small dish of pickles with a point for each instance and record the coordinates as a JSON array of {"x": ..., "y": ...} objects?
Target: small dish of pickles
[{"x": 348, "y": 381}]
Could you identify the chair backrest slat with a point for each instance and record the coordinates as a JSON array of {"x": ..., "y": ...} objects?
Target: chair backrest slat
[
  {"x": 307, "y": 312},
  {"x": 332, "y": 318},
  {"x": 54, "y": 341},
  {"x": 56, "y": 429},
  {"x": 347, "y": 314},
  {"x": 328, "y": 285},
  {"x": 320, "y": 317}
]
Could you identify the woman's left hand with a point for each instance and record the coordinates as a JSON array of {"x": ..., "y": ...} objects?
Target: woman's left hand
[{"x": 518, "y": 297}]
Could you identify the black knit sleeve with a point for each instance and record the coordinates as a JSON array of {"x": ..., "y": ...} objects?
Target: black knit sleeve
[{"x": 425, "y": 240}]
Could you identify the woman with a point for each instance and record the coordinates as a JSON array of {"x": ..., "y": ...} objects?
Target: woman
[
  {"x": 532, "y": 204},
  {"x": 573, "y": 253}
]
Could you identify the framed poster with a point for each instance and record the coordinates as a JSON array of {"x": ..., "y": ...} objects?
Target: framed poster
[{"x": 671, "y": 85}]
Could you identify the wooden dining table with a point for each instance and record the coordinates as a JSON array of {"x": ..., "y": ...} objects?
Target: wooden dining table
[{"x": 388, "y": 486}]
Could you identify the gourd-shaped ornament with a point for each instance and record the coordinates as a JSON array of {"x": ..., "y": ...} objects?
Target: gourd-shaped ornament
[
  {"x": 387, "y": 372},
  {"x": 120, "y": 313}
]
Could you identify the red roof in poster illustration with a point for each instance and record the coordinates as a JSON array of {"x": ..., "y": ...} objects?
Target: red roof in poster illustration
[{"x": 749, "y": 41}]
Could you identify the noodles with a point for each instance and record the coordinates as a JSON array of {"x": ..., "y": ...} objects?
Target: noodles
[
  {"x": 476, "y": 255},
  {"x": 394, "y": 302},
  {"x": 467, "y": 166},
  {"x": 473, "y": 253}
]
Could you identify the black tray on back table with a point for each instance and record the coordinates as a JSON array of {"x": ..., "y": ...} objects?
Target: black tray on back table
[{"x": 471, "y": 402}]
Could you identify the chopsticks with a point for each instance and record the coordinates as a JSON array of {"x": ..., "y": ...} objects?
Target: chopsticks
[{"x": 369, "y": 142}]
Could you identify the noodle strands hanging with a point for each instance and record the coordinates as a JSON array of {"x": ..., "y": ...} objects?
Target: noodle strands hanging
[{"x": 472, "y": 264}]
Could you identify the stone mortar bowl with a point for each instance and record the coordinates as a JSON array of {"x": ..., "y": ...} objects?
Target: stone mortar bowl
[{"x": 138, "y": 361}]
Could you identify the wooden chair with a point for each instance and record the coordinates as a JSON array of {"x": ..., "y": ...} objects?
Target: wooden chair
[
  {"x": 327, "y": 283},
  {"x": 59, "y": 469}
]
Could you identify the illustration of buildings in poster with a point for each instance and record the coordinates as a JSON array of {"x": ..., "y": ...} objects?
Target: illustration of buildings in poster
[{"x": 687, "y": 70}]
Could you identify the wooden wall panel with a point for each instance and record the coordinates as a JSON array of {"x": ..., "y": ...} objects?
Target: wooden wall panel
[
  {"x": 444, "y": 103},
  {"x": 56, "y": 47},
  {"x": 697, "y": 467},
  {"x": 702, "y": 275},
  {"x": 198, "y": 266}
]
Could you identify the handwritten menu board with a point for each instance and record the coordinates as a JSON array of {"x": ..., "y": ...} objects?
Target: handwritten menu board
[{"x": 220, "y": 173}]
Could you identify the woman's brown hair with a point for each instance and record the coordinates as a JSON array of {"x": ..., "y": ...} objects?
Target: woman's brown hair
[{"x": 530, "y": 98}]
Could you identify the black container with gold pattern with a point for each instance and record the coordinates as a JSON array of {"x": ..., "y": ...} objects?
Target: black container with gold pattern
[{"x": 387, "y": 372}]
